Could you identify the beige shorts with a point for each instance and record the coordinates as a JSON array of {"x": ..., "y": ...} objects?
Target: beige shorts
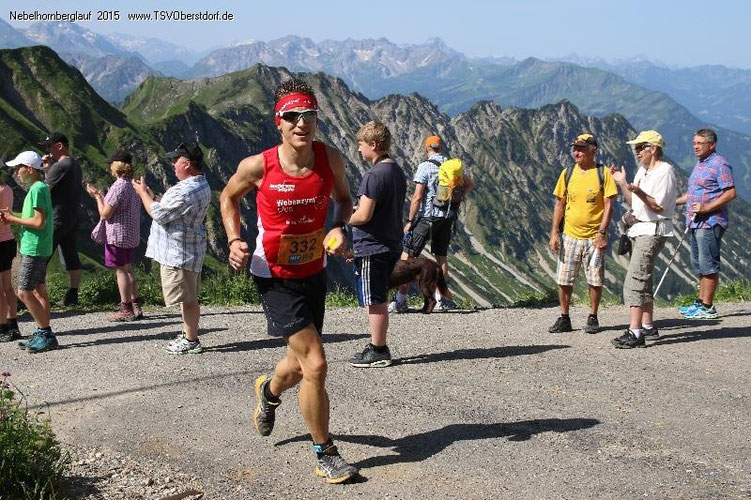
[
  {"x": 179, "y": 285},
  {"x": 574, "y": 254}
]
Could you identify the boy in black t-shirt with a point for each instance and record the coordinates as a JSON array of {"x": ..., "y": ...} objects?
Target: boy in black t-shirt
[{"x": 376, "y": 237}]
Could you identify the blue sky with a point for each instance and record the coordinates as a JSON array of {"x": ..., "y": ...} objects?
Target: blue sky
[{"x": 686, "y": 32}]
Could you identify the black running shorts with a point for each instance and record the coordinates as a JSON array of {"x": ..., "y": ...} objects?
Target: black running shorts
[{"x": 292, "y": 304}]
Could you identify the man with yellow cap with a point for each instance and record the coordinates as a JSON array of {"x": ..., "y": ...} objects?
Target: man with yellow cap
[
  {"x": 652, "y": 198},
  {"x": 584, "y": 196}
]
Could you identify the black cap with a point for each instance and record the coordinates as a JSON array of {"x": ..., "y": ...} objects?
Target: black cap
[
  {"x": 191, "y": 151},
  {"x": 121, "y": 155},
  {"x": 53, "y": 138}
]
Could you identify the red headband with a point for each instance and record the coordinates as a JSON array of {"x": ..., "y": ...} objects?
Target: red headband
[{"x": 290, "y": 101}]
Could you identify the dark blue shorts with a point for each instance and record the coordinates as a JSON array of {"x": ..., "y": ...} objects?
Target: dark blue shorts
[
  {"x": 372, "y": 273},
  {"x": 705, "y": 250}
]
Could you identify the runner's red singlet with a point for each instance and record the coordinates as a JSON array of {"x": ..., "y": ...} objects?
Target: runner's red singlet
[{"x": 292, "y": 218}]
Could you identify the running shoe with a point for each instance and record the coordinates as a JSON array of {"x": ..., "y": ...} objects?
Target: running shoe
[
  {"x": 45, "y": 341},
  {"x": 370, "y": 358},
  {"x": 333, "y": 468},
  {"x": 263, "y": 415},
  {"x": 701, "y": 312},
  {"x": 184, "y": 346},
  {"x": 398, "y": 307},
  {"x": 689, "y": 308}
]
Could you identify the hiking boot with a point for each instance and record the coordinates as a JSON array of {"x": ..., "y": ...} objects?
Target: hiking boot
[
  {"x": 593, "y": 326},
  {"x": 628, "y": 340},
  {"x": 445, "y": 305},
  {"x": 263, "y": 415},
  {"x": 701, "y": 312},
  {"x": 125, "y": 313},
  {"x": 398, "y": 307},
  {"x": 562, "y": 324},
  {"x": 137, "y": 310},
  {"x": 10, "y": 335},
  {"x": 184, "y": 346},
  {"x": 333, "y": 468},
  {"x": 370, "y": 358},
  {"x": 650, "y": 333},
  {"x": 70, "y": 299},
  {"x": 45, "y": 341},
  {"x": 693, "y": 305}
]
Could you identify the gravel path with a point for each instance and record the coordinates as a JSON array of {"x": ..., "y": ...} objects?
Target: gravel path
[{"x": 479, "y": 405}]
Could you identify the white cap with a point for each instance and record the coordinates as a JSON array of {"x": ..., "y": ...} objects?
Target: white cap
[{"x": 28, "y": 158}]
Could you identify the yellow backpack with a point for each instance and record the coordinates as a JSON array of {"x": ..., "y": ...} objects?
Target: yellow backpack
[{"x": 450, "y": 189}]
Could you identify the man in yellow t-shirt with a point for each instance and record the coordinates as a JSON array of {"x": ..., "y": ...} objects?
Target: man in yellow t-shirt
[{"x": 585, "y": 207}]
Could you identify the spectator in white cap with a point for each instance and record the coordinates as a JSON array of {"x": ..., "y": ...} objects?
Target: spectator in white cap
[
  {"x": 35, "y": 220},
  {"x": 652, "y": 199}
]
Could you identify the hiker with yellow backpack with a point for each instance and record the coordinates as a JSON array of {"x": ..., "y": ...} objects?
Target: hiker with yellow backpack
[{"x": 441, "y": 184}]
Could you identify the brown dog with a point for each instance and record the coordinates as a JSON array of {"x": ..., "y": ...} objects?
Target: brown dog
[{"x": 429, "y": 277}]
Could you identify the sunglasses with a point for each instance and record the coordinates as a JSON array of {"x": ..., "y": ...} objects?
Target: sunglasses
[
  {"x": 639, "y": 147},
  {"x": 294, "y": 116}
]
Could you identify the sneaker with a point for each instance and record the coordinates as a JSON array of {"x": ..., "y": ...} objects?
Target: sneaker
[
  {"x": 122, "y": 315},
  {"x": 184, "y": 346},
  {"x": 263, "y": 415},
  {"x": 684, "y": 309},
  {"x": 445, "y": 305},
  {"x": 701, "y": 312},
  {"x": 70, "y": 299},
  {"x": 334, "y": 468},
  {"x": 650, "y": 333},
  {"x": 10, "y": 335},
  {"x": 628, "y": 340},
  {"x": 370, "y": 358},
  {"x": 593, "y": 326},
  {"x": 137, "y": 311},
  {"x": 25, "y": 343},
  {"x": 398, "y": 307},
  {"x": 45, "y": 341},
  {"x": 562, "y": 324}
]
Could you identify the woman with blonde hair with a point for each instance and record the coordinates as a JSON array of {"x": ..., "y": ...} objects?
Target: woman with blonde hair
[{"x": 120, "y": 211}]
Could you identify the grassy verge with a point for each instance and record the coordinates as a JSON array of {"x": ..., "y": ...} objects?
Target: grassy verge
[{"x": 31, "y": 461}]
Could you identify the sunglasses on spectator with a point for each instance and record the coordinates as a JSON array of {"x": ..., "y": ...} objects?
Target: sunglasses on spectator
[
  {"x": 639, "y": 147},
  {"x": 294, "y": 116}
]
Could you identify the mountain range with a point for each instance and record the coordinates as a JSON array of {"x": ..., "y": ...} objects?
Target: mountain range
[
  {"x": 676, "y": 101},
  {"x": 499, "y": 254}
]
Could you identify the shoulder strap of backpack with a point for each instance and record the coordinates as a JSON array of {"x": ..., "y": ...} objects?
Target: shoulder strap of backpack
[
  {"x": 567, "y": 177},
  {"x": 601, "y": 175},
  {"x": 435, "y": 162}
]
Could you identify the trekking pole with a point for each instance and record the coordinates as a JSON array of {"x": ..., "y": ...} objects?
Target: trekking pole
[{"x": 677, "y": 248}]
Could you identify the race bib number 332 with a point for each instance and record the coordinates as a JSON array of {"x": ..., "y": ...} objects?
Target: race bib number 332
[{"x": 298, "y": 249}]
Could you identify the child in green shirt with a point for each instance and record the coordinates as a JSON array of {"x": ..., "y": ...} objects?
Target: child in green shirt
[{"x": 36, "y": 247}]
